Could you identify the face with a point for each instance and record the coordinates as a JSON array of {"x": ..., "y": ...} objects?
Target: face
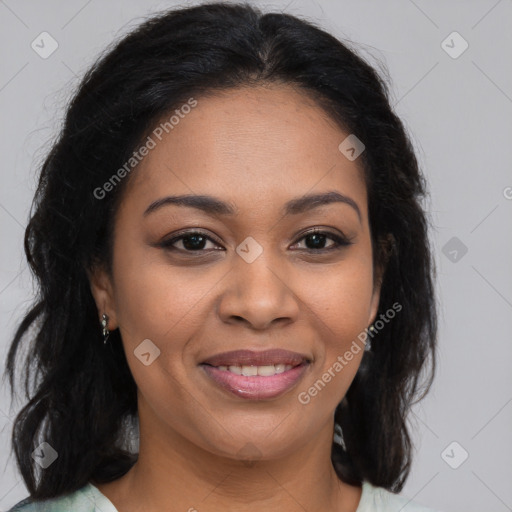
[{"x": 245, "y": 273}]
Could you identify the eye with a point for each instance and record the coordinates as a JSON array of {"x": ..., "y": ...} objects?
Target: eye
[
  {"x": 316, "y": 239},
  {"x": 193, "y": 241},
  {"x": 196, "y": 241}
]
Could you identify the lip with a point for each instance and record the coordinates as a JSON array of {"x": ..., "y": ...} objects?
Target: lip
[
  {"x": 261, "y": 358},
  {"x": 256, "y": 387}
]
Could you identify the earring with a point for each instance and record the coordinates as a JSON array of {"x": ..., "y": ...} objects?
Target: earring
[
  {"x": 106, "y": 332},
  {"x": 368, "y": 345},
  {"x": 338, "y": 436}
]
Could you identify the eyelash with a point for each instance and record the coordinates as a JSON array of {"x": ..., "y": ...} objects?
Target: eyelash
[{"x": 340, "y": 242}]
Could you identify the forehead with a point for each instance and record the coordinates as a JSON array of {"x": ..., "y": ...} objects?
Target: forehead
[{"x": 266, "y": 142}]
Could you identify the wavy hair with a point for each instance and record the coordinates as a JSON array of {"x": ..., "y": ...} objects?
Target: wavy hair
[{"x": 81, "y": 396}]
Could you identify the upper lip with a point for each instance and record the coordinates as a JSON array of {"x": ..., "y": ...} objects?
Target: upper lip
[{"x": 260, "y": 358}]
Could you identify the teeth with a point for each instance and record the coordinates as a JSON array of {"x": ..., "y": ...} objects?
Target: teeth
[
  {"x": 251, "y": 371},
  {"x": 280, "y": 368},
  {"x": 266, "y": 371},
  {"x": 236, "y": 369}
]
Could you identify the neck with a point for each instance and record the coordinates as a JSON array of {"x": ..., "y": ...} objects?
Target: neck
[{"x": 173, "y": 470}]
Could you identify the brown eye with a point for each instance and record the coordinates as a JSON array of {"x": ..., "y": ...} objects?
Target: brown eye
[
  {"x": 316, "y": 240},
  {"x": 193, "y": 241}
]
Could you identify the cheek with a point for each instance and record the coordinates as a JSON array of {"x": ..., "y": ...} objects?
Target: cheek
[
  {"x": 156, "y": 306},
  {"x": 154, "y": 299},
  {"x": 341, "y": 307},
  {"x": 342, "y": 298}
]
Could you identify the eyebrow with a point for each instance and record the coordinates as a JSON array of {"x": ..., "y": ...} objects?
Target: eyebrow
[{"x": 214, "y": 206}]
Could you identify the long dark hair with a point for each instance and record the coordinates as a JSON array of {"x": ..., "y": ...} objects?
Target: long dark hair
[{"x": 82, "y": 396}]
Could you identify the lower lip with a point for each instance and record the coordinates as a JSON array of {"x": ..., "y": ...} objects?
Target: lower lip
[{"x": 256, "y": 387}]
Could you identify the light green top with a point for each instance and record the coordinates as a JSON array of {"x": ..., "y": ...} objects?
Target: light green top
[{"x": 90, "y": 499}]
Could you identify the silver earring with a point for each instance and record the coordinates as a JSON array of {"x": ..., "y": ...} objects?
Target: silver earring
[
  {"x": 338, "y": 436},
  {"x": 368, "y": 344},
  {"x": 106, "y": 332}
]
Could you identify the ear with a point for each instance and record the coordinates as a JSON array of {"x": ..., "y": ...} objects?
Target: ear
[
  {"x": 386, "y": 246},
  {"x": 374, "y": 305},
  {"x": 103, "y": 292}
]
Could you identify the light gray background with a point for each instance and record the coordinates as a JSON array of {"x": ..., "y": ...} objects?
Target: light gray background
[{"x": 458, "y": 111}]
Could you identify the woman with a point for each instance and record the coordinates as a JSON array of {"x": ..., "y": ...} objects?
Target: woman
[{"x": 234, "y": 271}]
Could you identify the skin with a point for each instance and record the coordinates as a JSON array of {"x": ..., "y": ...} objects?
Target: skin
[{"x": 255, "y": 148}]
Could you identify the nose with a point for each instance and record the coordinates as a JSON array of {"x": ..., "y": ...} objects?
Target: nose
[{"x": 258, "y": 294}]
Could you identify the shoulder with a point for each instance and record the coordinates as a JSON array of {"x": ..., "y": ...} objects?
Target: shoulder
[
  {"x": 378, "y": 499},
  {"x": 86, "y": 499}
]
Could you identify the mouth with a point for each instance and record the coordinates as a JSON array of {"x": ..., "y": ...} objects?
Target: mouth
[{"x": 256, "y": 375}]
